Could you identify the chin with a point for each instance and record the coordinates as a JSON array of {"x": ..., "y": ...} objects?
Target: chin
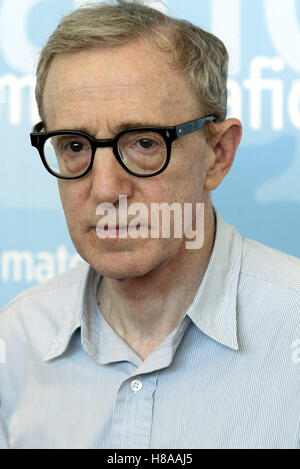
[
  {"x": 127, "y": 263},
  {"x": 122, "y": 267}
]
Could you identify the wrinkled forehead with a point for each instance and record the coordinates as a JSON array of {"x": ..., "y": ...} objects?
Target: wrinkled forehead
[{"x": 128, "y": 77}]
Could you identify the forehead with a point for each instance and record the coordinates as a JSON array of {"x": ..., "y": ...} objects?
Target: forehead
[{"x": 134, "y": 81}]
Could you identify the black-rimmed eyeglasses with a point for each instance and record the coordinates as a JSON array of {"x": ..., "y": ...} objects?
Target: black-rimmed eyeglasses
[{"x": 141, "y": 151}]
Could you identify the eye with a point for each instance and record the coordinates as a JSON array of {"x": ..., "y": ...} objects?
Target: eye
[
  {"x": 75, "y": 146},
  {"x": 146, "y": 144}
]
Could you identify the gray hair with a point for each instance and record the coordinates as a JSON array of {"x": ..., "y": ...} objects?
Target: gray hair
[{"x": 201, "y": 55}]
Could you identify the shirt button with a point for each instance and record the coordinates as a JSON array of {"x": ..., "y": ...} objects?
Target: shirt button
[{"x": 136, "y": 385}]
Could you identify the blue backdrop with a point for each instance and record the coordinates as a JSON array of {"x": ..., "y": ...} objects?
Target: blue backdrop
[{"x": 260, "y": 195}]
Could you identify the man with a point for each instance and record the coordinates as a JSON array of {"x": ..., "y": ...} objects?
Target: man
[{"x": 151, "y": 343}]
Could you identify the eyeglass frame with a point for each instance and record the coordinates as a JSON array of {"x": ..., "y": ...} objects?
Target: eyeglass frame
[{"x": 169, "y": 134}]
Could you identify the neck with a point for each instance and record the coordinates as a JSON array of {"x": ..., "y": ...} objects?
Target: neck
[{"x": 151, "y": 306}]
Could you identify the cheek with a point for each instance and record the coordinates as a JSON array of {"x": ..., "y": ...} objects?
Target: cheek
[
  {"x": 73, "y": 198},
  {"x": 184, "y": 181}
]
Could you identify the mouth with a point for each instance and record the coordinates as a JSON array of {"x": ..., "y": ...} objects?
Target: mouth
[
  {"x": 117, "y": 231},
  {"x": 111, "y": 230}
]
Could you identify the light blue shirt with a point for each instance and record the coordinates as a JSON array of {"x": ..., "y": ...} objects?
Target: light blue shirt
[{"x": 227, "y": 377}]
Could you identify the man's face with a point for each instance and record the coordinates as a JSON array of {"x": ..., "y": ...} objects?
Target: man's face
[{"x": 100, "y": 91}]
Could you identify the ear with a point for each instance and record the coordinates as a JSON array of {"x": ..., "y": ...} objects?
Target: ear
[{"x": 223, "y": 144}]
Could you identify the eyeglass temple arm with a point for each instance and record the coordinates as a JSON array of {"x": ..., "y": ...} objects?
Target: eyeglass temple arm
[
  {"x": 38, "y": 127},
  {"x": 193, "y": 125}
]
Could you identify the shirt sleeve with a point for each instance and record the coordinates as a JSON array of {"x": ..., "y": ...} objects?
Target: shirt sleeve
[{"x": 3, "y": 433}]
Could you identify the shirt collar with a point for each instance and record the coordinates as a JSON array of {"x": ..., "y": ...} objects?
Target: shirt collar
[
  {"x": 74, "y": 318},
  {"x": 213, "y": 309}
]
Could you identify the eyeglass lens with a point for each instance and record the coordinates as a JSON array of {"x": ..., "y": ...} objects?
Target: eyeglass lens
[{"x": 142, "y": 152}]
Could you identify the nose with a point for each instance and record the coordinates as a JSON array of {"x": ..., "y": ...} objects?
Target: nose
[{"x": 109, "y": 179}]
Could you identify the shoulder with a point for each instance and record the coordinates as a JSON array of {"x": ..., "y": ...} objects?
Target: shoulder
[
  {"x": 269, "y": 265},
  {"x": 47, "y": 302},
  {"x": 268, "y": 304},
  {"x": 51, "y": 287}
]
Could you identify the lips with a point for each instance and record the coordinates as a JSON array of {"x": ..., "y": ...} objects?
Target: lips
[
  {"x": 117, "y": 231},
  {"x": 108, "y": 230}
]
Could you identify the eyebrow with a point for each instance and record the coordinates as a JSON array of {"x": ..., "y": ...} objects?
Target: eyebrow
[
  {"x": 119, "y": 128},
  {"x": 131, "y": 125}
]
